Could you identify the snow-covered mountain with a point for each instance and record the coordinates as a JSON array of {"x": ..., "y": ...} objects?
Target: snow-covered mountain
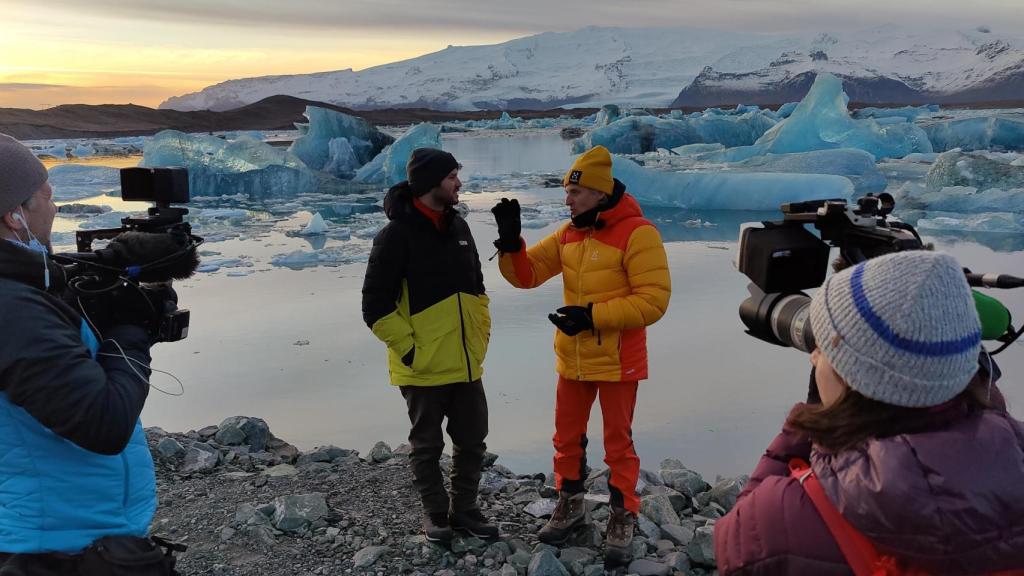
[{"x": 659, "y": 67}]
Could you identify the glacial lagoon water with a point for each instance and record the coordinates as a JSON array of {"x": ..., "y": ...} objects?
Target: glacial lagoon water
[{"x": 290, "y": 346}]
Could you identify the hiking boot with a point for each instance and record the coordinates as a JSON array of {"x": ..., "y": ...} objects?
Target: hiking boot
[
  {"x": 570, "y": 513},
  {"x": 619, "y": 541},
  {"x": 436, "y": 527},
  {"x": 475, "y": 523}
]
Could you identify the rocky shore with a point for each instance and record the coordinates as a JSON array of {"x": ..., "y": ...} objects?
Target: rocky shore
[{"x": 247, "y": 502}]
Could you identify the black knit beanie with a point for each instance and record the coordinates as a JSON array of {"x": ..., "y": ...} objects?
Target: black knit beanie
[{"x": 427, "y": 167}]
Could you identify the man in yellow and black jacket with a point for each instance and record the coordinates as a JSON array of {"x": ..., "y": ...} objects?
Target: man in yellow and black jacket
[{"x": 423, "y": 296}]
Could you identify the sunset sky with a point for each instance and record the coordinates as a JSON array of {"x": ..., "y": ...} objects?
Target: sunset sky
[{"x": 110, "y": 51}]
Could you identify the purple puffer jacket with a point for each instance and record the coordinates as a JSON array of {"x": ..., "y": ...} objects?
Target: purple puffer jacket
[{"x": 949, "y": 500}]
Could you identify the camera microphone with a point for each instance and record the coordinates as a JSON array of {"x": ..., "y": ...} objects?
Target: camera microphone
[{"x": 145, "y": 256}]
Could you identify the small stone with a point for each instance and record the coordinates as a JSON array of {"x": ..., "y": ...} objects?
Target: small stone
[
  {"x": 648, "y": 528},
  {"x": 725, "y": 492},
  {"x": 208, "y": 431},
  {"x": 230, "y": 435},
  {"x": 541, "y": 508},
  {"x": 380, "y": 452},
  {"x": 679, "y": 562},
  {"x": 663, "y": 547},
  {"x": 200, "y": 458},
  {"x": 659, "y": 509},
  {"x": 169, "y": 447},
  {"x": 644, "y": 567},
  {"x": 255, "y": 429},
  {"x": 296, "y": 512},
  {"x": 281, "y": 470},
  {"x": 680, "y": 534},
  {"x": 684, "y": 481},
  {"x": 544, "y": 563},
  {"x": 226, "y": 533},
  {"x": 261, "y": 534},
  {"x": 508, "y": 570},
  {"x": 367, "y": 556},
  {"x": 520, "y": 559},
  {"x": 701, "y": 549}
]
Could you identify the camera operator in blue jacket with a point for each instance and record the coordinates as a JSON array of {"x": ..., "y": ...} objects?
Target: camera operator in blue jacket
[{"x": 74, "y": 464}]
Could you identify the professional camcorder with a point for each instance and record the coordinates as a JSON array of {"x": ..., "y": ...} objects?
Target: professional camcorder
[
  {"x": 783, "y": 258},
  {"x": 132, "y": 274}
]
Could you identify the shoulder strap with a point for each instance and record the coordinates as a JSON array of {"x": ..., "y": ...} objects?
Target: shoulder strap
[{"x": 860, "y": 553}]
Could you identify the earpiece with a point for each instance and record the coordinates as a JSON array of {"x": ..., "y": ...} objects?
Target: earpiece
[{"x": 18, "y": 217}]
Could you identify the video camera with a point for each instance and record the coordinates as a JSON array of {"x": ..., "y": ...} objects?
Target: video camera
[
  {"x": 136, "y": 268},
  {"x": 783, "y": 258}
]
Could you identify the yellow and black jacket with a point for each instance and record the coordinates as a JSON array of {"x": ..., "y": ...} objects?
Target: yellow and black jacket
[
  {"x": 618, "y": 265},
  {"x": 424, "y": 290}
]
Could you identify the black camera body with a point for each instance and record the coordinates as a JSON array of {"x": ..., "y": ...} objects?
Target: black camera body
[
  {"x": 133, "y": 274},
  {"x": 783, "y": 258}
]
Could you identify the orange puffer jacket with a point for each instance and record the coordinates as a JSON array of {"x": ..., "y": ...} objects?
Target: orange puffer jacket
[{"x": 620, "y": 267}]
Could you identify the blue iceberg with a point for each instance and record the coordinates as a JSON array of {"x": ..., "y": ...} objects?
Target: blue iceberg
[
  {"x": 640, "y": 134},
  {"x": 1004, "y": 222},
  {"x": 725, "y": 190},
  {"x": 607, "y": 114},
  {"x": 313, "y": 147},
  {"x": 75, "y": 181},
  {"x": 217, "y": 167},
  {"x": 907, "y": 113},
  {"x": 388, "y": 167},
  {"x": 856, "y": 165},
  {"x": 822, "y": 122},
  {"x": 973, "y": 169},
  {"x": 983, "y": 133}
]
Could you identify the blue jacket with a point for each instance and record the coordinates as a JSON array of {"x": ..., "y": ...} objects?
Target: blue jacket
[{"x": 74, "y": 464}]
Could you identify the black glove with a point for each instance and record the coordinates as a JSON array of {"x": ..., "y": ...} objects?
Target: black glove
[
  {"x": 409, "y": 356},
  {"x": 573, "y": 319},
  {"x": 506, "y": 214}
]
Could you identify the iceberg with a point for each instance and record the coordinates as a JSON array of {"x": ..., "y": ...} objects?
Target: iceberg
[
  {"x": 640, "y": 134},
  {"x": 607, "y": 114},
  {"x": 75, "y": 181},
  {"x": 342, "y": 159},
  {"x": 217, "y": 167},
  {"x": 724, "y": 190},
  {"x": 973, "y": 169},
  {"x": 691, "y": 149},
  {"x": 986, "y": 132},
  {"x": 990, "y": 222},
  {"x": 856, "y": 165},
  {"x": 388, "y": 167},
  {"x": 821, "y": 122},
  {"x": 315, "y": 226},
  {"x": 962, "y": 199},
  {"x": 313, "y": 147},
  {"x": 907, "y": 113}
]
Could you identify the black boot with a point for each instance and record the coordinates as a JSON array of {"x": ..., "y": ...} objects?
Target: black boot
[
  {"x": 475, "y": 523},
  {"x": 436, "y": 527}
]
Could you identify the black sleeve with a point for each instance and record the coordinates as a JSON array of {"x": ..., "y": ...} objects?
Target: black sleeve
[
  {"x": 382, "y": 284},
  {"x": 479, "y": 268},
  {"x": 48, "y": 371}
]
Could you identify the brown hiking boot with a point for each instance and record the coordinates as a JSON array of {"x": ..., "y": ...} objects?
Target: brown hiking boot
[
  {"x": 619, "y": 541},
  {"x": 570, "y": 513},
  {"x": 436, "y": 527}
]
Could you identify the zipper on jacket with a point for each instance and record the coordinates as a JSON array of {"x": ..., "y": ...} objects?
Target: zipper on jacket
[
  {"x": 579, "y": 294},
  {"x": 465, "y": 350}
]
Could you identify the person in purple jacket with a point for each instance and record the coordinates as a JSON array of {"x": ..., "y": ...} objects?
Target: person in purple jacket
[{"x": 911, "y": 442}]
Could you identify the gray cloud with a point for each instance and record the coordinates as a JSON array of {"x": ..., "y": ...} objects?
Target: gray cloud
[
  {"x": 530, "y": 16},
  {"x": 26, "y": 86}
]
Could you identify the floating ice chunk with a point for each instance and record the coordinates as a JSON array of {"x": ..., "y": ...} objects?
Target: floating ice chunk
[
  {"x": 691, "y": 149},
  {"x": 921, "y": 157},
  {"x": 316, "y": 225},
  {"x": 388, "y": 167},
  {"x": 217, "y": 167},
  {"x": 640, "y": 134},
  {"x": 342, "y": 159},
  {"x": 962, "y": 199},
  {"x": 330, "y": 256},
  {"x": 313, "y": 147},
  {"x": 607, "y": 114},
  {"x": 74, "y": 181},
  {"x": 786, "y": 109},
  {"x": 221, "y": 214},
  {"x": 906, "y": 113},
  {"x": 724, "y": 190},
  {"x": 990, "y": 222},
  {"x": 50, "y": 149},
  {"x": 209, "y": 265},
  {"x": 238, "y": 273},
  {"x": 974, "y": 169},
  {"x": 82, "y": 151},
  {"x": 822, "y": 122},
  {"x": 857, "y": 165},
  {"x": 998, "y": 131}
]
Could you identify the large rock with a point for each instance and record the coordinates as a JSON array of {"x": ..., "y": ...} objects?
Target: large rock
[
  {"x": 200, "y": 457},
  {"x": 685, "y": 481},
  {"x": 380, "y": 452},
  {"x": 725, "y": 492},
  {"x": 541, "y": 508},
  {"x": 648, "y": 528},
  {"x": 255, "y": 430},
  {"x": 327, "y": 453},
  {"x": 544, "y": 563},
  {"x": 680, "y": 534},
  {"x": 659, "y": 509},
  {"x": 701, "y": 549},
  {"x": 295, "y": 512},
  {"x": 169, "y": 447}
]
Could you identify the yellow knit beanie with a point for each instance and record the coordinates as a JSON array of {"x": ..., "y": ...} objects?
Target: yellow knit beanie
[{"x": 593, "y": 169}]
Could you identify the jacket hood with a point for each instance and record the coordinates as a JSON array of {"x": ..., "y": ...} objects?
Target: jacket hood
[
  {"x": 26, "y": 266},
  {"x": 936, "y": 494},
  {"x": 398, "y": 200}
]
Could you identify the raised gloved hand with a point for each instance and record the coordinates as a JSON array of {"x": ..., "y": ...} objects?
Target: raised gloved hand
[
  {"x": 573, "y": 319},
  {"x": 506, "y": 214}
]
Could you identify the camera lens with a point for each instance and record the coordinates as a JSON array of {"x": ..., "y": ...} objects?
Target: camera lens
[{"x": 782, "y": 319}]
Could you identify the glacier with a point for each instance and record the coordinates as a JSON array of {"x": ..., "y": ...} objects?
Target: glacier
[
  {"x": 388, "y": 167},
  {"x": 724, "y": 190},
  {"x": 217, "y": 167},
  {"x": 314, "y": 147}
]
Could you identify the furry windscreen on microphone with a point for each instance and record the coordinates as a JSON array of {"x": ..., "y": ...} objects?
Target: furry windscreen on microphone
[{"x": 160, "y": 257}]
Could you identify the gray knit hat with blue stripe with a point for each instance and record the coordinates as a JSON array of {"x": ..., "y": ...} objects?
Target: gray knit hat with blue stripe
[
  {"x": 21, "y": 174},
  {"x": 901, "y": 328}
]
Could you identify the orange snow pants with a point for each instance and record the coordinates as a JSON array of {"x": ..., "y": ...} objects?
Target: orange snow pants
[{"x": 572, "y": 411}]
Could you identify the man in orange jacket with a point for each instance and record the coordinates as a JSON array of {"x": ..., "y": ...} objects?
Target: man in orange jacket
[{"x": 615, "y": 282}]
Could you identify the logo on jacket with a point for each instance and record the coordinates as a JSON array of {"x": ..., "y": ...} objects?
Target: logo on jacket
[
  {"x": 463, "y": 242},
  {"x": 574, "y": 176}
]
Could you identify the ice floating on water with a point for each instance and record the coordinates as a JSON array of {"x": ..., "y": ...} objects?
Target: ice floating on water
[
  {"x": 316, "y": 225},
  {"x": 388, "y": 167},
  {"x": 639, "y": 134},
  {"x": 220, "y": 214},
  {"x": 907, "y": 113},
  {"x": 856, "y": 165},
  {"x": 974, "y": 169},
  {"x": 330, "y": 256},
  {"x": 990, "y": 222},
  {"x": 607, "y": 114},
  {"x": 691, "y": 149},
  {"x": 74, "y": 181},
  {"x": 999, "y": 131},
  {"x": 217, "y": 167},
  {"x": 724, "y": 190},
  {"x": 822, "y": 122},
  {"x": 208, "y": 265},
  {"x": 336, "y": 142}
]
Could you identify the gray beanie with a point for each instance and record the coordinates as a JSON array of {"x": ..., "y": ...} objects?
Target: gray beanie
[
  {"x": 21, "y": 174},
  {"x": 901, "y": 328}
]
